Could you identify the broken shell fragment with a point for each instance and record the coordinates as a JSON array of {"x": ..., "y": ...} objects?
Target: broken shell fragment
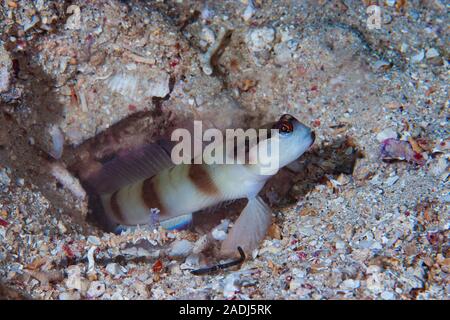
[
  {"x": 261, "y": 38},
  {"x": 5, "y": 70},
  {"x": 73, "y": 21},
  {"x": 57, "y": 141},
  {"x": 394, "y": 149},
  {"x": 249, "y": 11},
  {"x": 67, "y": 180},
  {"x": 418, "y": 57},
  {"x": 137, "y": 88},
  {"x": 386, "y": 134},
  {"x": 260, "y": 42},
  {"x": 181, "y": 248},
  {"x": 96, "y": 289}
]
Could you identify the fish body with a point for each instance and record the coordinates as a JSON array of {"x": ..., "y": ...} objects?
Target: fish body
[{"x": 180, "y": 190}]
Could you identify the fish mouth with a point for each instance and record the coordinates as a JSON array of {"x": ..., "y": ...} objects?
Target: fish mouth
[{"x": 313, "y": 137}]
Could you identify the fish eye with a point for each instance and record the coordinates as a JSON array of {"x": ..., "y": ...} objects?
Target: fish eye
[{"x": 285, "y": 127}]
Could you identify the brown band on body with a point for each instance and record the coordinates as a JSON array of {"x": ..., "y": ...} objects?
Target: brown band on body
[
  {"x": 202, "y": 180},
  {"x": 115, "y": 208},
  {"x": 150, "y": 195}
]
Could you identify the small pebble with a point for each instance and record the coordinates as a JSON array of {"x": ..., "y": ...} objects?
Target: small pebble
[
  {"x": 249, "y": 11},
  {"x": 390, "y": 3},
  {"x": 230, "y": 285},
  {"x": 96, "y": 289},
  {"x": 69, "y": 295},
  {"x": 114, "y": 269},
  {"x": 374, "y": 283},
  {"x": 206, "y": 13},
  {"x": 404, "y": 47},
  {"x": 373, "y": 269},
  {"x": 5, "y": 70},
  {"x": 219, "y": 234},
  {"x": 432, "y": 53},
  {"x": 74, "y": 279},
  {"x": 73, "y": 22},
  {"x": 208, "y": 35},
  {"x": 201, "y": 244},
  {"x": 388, "y": 133},
  {"x": 350, "y": 284},
  {"x": 94, "y": 240},
  {"x": 391, "y": 180},
  {"x": 62, "y": 228},
  {"x": 5, "y": 180},
  {"x": 418, "y": 57},
  {"x": 380, "y": 64},
  {"x": 181, "y": 248},
  {"x": 387, "y": 295},
  {"x": 117, "y": 296},
  {"x": 191, "y": 262},
  {"x": 261, "y": 38},
  {"x": 340, "y": 245}
]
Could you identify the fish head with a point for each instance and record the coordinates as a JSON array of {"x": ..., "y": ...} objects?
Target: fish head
[{"x": 293, "y": 137}]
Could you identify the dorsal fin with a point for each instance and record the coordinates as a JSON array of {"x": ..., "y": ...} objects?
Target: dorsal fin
[{"x": 130, "y": 166}]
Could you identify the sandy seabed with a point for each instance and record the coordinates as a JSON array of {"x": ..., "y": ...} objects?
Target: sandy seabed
[{"x": 362, "y": 215}]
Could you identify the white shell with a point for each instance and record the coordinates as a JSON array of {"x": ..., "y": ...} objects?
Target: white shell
[{"x": 135, "y": 87}]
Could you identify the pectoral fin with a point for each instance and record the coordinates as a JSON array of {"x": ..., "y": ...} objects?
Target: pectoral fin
[{"x": 249, "y": 229}]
